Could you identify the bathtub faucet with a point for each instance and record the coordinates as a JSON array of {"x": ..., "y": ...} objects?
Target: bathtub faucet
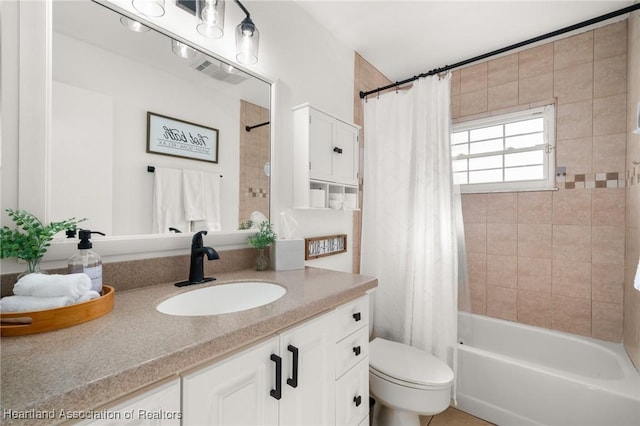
[{"x": 198, "y": 251}]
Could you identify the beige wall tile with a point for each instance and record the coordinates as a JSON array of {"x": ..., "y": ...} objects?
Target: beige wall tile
[
  {"x": 607, "y": 282},
  {"x": 609, "y": 153},
  {"x": 502, "y": 96},
  {"x": 607, "y": 321},
  {"x": 534, "y": 274},
  {"x": 535, "y": 240},
  {"x": 610, "y": 40},
  {"x": 473, "y": 102},
  {"x": 575, "y": 154},
  {"x": 476, "y": 237},
  {"x": 572, "y": 279},
  {"x": 474, "y": 208},
  {"x": 479, "y": 298},
  {"x": 610, "y": 76},
  {"x": 572, "y": 242},
  {"x": 502, "y": 207},
  {"x": 572, "y": 207},
  {"x": 534, "y": 207},
  {"x": 571, "y": 315},
  {"x": 608, "y": 244},
  {"x": 608, "y": 207},
  {"x": 502, "y": 238},
  {"x": 534, "y": 308},
  {"x": 574, "y": 83},
  {"x": 502, "y": 303},
  {"x": 574, "y": 120},
  {"x": 535, "y": 88},
  {"x": 473, "y": 78},
  {"x": 609, "y": 115},
  {"x": 477, "y": 268},
  {"x": 573, "y": 50},
  {"x": 502, "y": 271},
  {"x": 503, "y": 70},
  {"x": 535, "y": 61}
]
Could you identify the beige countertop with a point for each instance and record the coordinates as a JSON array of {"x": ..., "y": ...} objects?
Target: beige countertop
[{"x": 86, "y": 366}]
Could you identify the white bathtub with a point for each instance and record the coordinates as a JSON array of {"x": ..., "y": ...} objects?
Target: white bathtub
[{"x": 514, "y": 374}]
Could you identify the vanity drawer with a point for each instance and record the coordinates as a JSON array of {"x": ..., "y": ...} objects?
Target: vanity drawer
[
  {"x": 352, "y": 395},
  {"x": 351, "y": 317},
  {"x": 351, "y": 350}
]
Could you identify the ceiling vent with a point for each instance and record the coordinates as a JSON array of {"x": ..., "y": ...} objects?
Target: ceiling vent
[{"x": 217, "y": 70}]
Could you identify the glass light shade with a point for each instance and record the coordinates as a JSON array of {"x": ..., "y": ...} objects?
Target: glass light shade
[
  {"x": 210, "y": 14},
  {"x": 182, "y": 50},
  {"x": 133, "y": 25},
  {"x": 247, "y": 41},
  {"x": 150, "y": 8}
]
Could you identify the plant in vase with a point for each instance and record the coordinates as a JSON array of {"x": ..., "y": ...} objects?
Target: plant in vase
[
  {"x": 31, "y": 239},
  {"x": 261, "y": 240}
]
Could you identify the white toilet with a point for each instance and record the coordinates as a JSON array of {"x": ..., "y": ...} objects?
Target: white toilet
[{"x": 407, "y": 382}]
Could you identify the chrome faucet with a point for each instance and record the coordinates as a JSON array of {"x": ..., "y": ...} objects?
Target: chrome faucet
[{"x": 198, "y": 251}]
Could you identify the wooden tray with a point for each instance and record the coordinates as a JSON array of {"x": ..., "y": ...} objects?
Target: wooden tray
[{"x": 20, "y": 323}]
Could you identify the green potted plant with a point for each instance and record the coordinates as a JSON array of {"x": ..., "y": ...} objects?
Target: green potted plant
[
  {"x": 261, "y": 240},
  {"x": 31, "y": 239}
]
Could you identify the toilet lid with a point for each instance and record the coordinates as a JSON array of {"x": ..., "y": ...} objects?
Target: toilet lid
[{"x": 408, "y": 364}]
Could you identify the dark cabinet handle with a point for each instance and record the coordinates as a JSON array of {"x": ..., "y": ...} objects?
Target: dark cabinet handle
[
  {"x": 356, "y": 350},
  {"x": 293, "y": 381},
  {"x": 357, "y": 316},
  {"x": 337, "y": 150},
  {"x": 277, "y": 392},
  {"x": 357, "y": 400}
]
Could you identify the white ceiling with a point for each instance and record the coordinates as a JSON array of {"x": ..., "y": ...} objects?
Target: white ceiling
[{"x": 406, "y": 38}]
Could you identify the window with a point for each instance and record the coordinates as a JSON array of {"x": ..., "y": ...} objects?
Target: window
[{"x": 511, "y": 152}]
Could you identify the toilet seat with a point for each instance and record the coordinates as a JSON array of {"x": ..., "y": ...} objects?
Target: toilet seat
[{"x": 408, "y": 366}]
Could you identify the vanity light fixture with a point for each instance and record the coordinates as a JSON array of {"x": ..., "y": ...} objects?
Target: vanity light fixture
[
  {"x": 133, "y": 25},
  {"x": 211, "y": 16},
  {"x": 182, "y": 50},
  {"x": 247, "y": 39},
  {"x": 150, "y": 8}
]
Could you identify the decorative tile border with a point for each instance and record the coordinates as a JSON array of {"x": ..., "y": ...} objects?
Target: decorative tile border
[
  {"x": 258, "y": 192},
  {"x": 590, "y": 180}
]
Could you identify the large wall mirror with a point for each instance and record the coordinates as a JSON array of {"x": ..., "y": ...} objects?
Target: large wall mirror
[{"x": 106, "y": 78}]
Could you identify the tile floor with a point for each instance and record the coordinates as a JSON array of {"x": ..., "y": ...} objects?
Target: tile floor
[{"x": 452, "y": 417}]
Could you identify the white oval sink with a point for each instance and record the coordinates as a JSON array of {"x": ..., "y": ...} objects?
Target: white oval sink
[{"x": 222, "y": 299}]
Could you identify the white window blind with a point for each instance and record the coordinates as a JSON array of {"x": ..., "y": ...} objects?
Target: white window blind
[{"x": 511, "y": 152}]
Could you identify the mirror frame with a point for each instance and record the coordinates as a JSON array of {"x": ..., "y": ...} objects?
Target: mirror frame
[{"x": 34, "y": 144}]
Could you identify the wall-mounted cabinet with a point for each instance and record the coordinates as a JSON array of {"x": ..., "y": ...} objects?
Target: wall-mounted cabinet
[{"x": 326, "y": 158}]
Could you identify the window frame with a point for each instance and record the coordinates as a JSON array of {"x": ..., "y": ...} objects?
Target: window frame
[{"x": 547, "y": 112}]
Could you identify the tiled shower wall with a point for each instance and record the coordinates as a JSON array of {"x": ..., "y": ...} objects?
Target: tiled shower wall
[
  {"x": 555, "y": 259},
  {"x": 254, "y": 154}
]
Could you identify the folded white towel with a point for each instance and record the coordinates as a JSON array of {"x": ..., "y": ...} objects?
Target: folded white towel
[
  {"x": 193, "y": 195},
  {"x": 55, "y": 285},
  {"x": 211, "y": 197},
  {"x": 88, "y": 296},
  {"x": 636, "y": 280},
  {"x": 32, "y": 303},
  {"x": 168, "y": 207}
]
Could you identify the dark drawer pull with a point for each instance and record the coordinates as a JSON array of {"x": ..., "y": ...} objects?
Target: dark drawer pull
[
  {"x": 337, "y": 150},
  {"x": 357, "y": 400},
  {"x": 357, "y": 316},
  {"x": 277, "y": 392},
  {"x": 356, "y": 350},
  {"x": 293, "y": 381}
]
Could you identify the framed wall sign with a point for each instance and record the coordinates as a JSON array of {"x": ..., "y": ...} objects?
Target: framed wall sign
[
  {"x": 170, "y": 136},
  {"x": 324, "y": 246}
]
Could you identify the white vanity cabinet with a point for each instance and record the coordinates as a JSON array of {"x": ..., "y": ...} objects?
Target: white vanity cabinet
[
  {"x": 286, "y": 380},
  {"x": 326, "y": 157}
]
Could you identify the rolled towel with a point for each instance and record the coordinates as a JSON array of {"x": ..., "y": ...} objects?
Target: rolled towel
[
  {"x": 55, "y": 285},
  {"x": 32, "y": 303},
  {"x": 90, "y": 295}
]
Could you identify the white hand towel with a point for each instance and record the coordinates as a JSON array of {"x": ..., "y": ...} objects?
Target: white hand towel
[
  {"x": 168, "y": 208},
  {"x": 90, "y": 295},
  {"x": 43, "y": 285},
  {"x": 211, "y": 197},
  {"x": 193, "y": 188},
  {"x": 32, "y": 303},
  {"x": 636, "y": 281}
]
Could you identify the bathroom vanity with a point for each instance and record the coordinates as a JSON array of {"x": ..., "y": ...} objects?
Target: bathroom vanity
[{"x": 299, "y": 360}]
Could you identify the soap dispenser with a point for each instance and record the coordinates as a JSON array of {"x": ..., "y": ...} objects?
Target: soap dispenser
[{"x": 87, "y": 261}]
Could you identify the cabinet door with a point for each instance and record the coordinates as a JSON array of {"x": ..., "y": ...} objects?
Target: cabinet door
[
  {"x": 345, "y": 154},
  {"x": 352, "y": 395},
  {"x": 236, "y": 391},
  {"x": 159, "y": 406},
  {"x": 321, "y": 136},
  {"x": 308, "y": 398}
]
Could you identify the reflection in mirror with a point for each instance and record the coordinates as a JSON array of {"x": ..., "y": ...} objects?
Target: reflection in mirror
[{"x": 106, "y": 77}]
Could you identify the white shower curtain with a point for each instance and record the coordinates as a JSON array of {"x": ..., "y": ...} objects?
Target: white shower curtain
[{"x": 409, "y": 229}]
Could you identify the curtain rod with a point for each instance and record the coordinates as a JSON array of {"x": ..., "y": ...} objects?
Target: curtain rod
[
  {"x": 249, "y": 128},
  {"x": 564, "y": 30}
]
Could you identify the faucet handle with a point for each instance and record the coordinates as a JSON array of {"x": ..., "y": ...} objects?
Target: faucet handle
[{"x": 196, "y": 241}]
